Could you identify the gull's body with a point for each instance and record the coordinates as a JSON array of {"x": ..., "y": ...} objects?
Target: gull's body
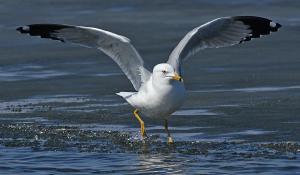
[
  {"x": 162, "y": 92},
  {"x": 157, "y": 99}
]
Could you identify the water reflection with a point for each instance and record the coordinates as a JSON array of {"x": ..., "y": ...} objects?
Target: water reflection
[{"x": 161, "y": 163}]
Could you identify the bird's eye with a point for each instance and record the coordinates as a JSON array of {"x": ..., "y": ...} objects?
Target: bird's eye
[{"x": 164, "y": 71}]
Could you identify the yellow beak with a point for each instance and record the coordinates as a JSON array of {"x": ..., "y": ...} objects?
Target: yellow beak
[{"x": 177, "y": 77}]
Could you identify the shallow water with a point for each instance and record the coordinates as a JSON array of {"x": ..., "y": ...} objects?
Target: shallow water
[{"x": 59, "y": 114}]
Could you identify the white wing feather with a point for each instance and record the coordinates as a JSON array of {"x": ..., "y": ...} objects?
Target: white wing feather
[
  {"x": 221, "y": 32},
  {"x": 115, "y": 46}
]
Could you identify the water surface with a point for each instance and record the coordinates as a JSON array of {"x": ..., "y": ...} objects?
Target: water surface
[{"x": 59, "y": 113}]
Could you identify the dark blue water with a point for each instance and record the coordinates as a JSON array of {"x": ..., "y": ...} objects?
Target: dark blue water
[{"x": 59, "y": 114}]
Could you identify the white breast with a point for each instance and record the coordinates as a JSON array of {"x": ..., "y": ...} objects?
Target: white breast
[{"x": 159, "y": 102}]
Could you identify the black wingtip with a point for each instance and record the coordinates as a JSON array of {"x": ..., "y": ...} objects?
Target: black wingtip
[
  {"x": 274, "y": 26},
  {"x": 43, "y": 30},
  {"x": 22, "y": 29},
  {"x": 278, "y": 25},
  {"x": 258, "y": 26}
]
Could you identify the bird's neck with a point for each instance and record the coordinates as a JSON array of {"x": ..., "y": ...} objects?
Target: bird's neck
[{"x": 161, "y": 85}]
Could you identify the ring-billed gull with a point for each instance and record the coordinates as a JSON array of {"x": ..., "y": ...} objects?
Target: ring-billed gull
[{"x": 162, "y": 92}]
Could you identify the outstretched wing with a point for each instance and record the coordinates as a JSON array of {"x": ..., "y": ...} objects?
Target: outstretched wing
[
  {"x": 221, "y": 32},
  {"x": 116, "y": 46}
]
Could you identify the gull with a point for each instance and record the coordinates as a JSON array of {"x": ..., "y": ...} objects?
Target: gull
[{"x": 161, "y": 92}]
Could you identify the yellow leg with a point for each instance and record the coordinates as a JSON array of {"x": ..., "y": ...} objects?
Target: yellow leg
[
  {"x": 170, "y": 140},
  {"x": 143, "y": 132}
]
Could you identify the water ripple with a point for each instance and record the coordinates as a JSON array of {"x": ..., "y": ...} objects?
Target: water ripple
[
  {"x": 70, "y": 102},
  {"x": 28, "y": 72},
  {"x": 202, "y": 112},
  {"x": 252, "y": 89}
]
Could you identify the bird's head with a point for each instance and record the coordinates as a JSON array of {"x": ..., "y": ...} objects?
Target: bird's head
[{"x": 164, "y": 73}]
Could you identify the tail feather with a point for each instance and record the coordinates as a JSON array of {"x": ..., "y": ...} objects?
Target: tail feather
[
  {"x": 126, "y": 94},
  {"x": 128, "y": 97}
]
